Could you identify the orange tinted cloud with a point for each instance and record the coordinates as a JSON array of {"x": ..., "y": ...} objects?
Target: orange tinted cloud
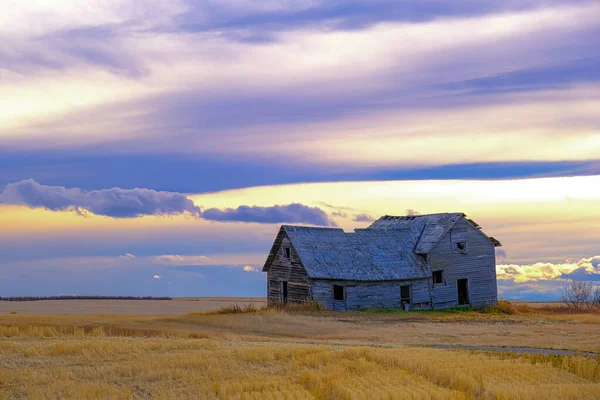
[{"x": 542, "y": 271}]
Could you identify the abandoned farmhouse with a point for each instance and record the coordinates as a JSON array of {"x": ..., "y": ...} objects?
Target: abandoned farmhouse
[{"x": 411, "y": 262}]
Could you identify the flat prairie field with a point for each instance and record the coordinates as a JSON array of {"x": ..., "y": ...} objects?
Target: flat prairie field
[
  {"x": 179, "y": 305},
  {"x": 295, "y": 353}
]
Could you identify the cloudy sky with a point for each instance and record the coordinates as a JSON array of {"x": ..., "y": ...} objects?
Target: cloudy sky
[{"x": 153, "y": 147}]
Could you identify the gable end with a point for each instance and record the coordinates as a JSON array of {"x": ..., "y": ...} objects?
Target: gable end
[{"x": 274, "y": 249}]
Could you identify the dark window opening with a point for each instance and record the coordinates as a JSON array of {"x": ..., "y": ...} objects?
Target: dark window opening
[
  {"x": 287, "y": 253},
  {"x": 458, "y": 238},
  {"x": 438, "y": 277},
  {"x": 338, "y": 292},
  {"x": 405, "y": 294},
  {"x": 283, "y": 292}
]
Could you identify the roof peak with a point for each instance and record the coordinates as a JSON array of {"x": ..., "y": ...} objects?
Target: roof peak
[
  {"x": 311, "y": 227},
  {"x": 411, "y": 217}
]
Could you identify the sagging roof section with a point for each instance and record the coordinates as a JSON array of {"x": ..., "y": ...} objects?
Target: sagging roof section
[
  {"x": 428, "y": 229},
  {"x": 494, "y": 241},
  {"x": 365, "y": 255}
]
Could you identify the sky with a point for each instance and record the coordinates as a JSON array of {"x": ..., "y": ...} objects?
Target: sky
[{"x": 152, "y": 147}]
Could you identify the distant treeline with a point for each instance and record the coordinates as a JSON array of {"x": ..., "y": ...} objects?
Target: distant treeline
[{"x": 37, "y": 298}]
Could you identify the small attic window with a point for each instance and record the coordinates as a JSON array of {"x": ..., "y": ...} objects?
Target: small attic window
[
  {"x": 287, "y": 252},
  {"x": 459, "y": 240}
]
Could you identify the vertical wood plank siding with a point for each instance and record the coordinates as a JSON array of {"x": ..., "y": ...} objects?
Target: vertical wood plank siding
[
  {"x": 291, "y": 271},
  {"x": 478, "y": 265}
]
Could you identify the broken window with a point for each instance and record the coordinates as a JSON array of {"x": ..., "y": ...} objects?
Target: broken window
[
  {"x": 287, "y": 253},
  {"x": 458, "y": 238},
  {"x": 338, "y": 292},
  {"x": 438, "y": 277}
]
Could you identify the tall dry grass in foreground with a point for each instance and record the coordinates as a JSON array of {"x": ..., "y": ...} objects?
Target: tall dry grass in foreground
[
  {"x": 93, "y": 364},
  {"x": 301, "y": 326}
]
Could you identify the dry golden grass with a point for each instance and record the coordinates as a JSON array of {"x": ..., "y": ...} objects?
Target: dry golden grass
[
  {"x": 97, "y": 367},
  {"x": 244, "y": 353},
  {"x": 575, "y": 332}
]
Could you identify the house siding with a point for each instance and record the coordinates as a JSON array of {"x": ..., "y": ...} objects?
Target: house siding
[
  {"x": 478, "y": 265},
  {"x": 289, "y": 270},
  {"x": 370, "y": 295}
]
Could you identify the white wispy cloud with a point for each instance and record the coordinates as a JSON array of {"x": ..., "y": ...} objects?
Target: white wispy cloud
[
  {"x": 128, "y": 256},
  {"x": 176, "y": 259}
]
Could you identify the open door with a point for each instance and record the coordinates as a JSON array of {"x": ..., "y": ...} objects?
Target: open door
[
  {"x": 463, "y": 291},
  {"x": 283, "y": 292},
  {"x": 339, "y": 298},
  {"x": 405, "y": 297}
]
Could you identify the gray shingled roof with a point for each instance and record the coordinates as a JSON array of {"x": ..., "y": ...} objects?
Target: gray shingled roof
[
  {"x": 429, "y": 229},
  {"x": 365, "y": 255}
]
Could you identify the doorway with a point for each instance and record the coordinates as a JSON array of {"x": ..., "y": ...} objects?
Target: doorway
[
  {"x": 405, "y": 297},
  {"x": 283, "y": 292},
  {"x": 339, "y": 298},
  {"x": 463, "y": 291}
]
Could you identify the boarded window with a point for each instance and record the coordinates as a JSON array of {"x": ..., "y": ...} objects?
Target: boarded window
[
  {"x": 438, "y": 277},
  {"x": 405, "y": 294},
  {"x": 287, "y": 253},
  {"x": 338, "y": 292}
]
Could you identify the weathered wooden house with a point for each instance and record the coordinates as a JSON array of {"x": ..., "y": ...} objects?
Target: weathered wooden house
[{"x": 411, "y": 262}]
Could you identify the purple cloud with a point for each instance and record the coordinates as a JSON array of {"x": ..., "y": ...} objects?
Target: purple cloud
[
  {"x": 114, "y": 202},
  {"x": 132, "y": 203},
  {"x": 500, "y": 253},
  {"x": 292, "y": 213},
  {"x": 363, "y": 218}
]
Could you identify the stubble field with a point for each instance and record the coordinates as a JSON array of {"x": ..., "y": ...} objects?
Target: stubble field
[
  {"x": 180, "y": 305},
  {"x": 297, "y": 354}
]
